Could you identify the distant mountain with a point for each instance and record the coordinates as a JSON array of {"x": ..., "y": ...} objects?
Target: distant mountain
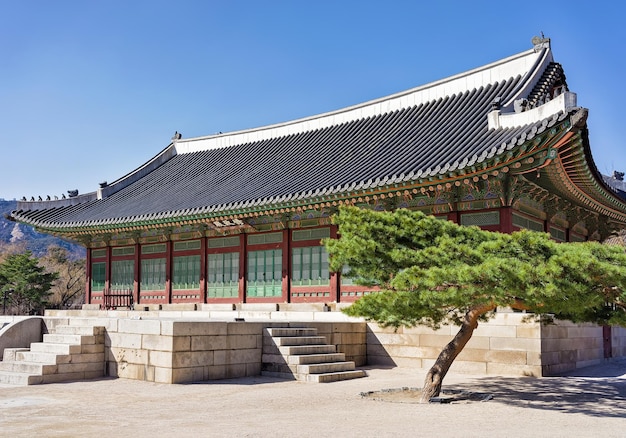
[{"x": 38, "y": 243}]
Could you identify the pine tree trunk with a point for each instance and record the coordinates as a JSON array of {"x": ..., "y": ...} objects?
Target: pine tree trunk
[{"x": 434, "y": 377}]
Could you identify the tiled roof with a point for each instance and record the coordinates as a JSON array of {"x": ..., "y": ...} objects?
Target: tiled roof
[{"x": 422, "y": 133}]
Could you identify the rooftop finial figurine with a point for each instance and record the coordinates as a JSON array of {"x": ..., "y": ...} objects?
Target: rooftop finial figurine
[{"x": 177, "y": 136}]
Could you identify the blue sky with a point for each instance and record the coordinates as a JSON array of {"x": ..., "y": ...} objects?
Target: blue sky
[{"x": 90, "y": 90}]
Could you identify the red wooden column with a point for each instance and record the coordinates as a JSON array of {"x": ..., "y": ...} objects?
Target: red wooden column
[
  {"x": 286, "y": 261},
  {"x": 168, "y": 271},
  {"x": 88, "y": 277},
  {"x": 243, "y": 260},
  {"x": 137, "y": 272},
  {"x": 107, "y": 273},
  {"x": 334, "y": 276},
  {"x": 506, "y": 220},
  {"x": 203, "y": 269}
]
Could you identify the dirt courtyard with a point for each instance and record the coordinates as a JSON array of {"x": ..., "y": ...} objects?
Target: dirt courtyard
[{"x": 590, "y": 402}]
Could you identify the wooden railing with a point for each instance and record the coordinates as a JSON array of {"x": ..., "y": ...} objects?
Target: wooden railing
[{"x": 118, "y": 298}]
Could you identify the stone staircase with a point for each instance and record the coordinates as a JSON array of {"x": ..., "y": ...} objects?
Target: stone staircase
[
  {"x": 70, "y": 353},
  {"x": 299, "y": 353}
]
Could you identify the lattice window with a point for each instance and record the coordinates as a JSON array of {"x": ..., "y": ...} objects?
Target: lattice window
[
  {"x": 260, "y": 239},
  {"x": 481, "y": 219},
  {"x": 98, "y": 253},
  {"x": 153, "y": 249},
  {"x": 223, "y": 275},
  {"x": 557, "y": 234},
  {"x": 122, "y": 274},
  {"x": 186, "y": 272},
  {"x": 264, "y": 275},
  {"x": 314, "y": 234},
  {"x": 526, "y": 223},
  {"x": 153, "y": 274},
  {"x": 224, "y": 242},
  {"x": 98, "y": 276},
  {"x": 123, "y": 251},
  {"x": 187, "y": 245},
  {"x": 309, "y": 266}
]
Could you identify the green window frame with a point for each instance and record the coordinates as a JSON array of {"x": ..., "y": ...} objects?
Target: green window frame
[
  {"x": 223, "y": 275},
  {"x": 264, "y": 273},
  {"x": 153, "y": 274},
  {"x": 186, "y": 272},
  {"x": 98, "y": 276},
  {"x": 122, "y": 274},
  {"x": 309, "y": 266}
]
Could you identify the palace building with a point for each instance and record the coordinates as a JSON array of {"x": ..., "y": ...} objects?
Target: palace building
[{"x": 238, "y": 217}]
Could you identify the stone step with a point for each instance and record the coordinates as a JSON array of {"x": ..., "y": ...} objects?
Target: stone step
[
  {"x": 307, "y": 349},
  {"x": 79, "y": 330},
  {"x": 299, "y": 340},
  {"x": 64, "y": 338},
  {"x": 333, "y": 377},
  {"x": 303, "y": 359},
  {"x": 291, "y": 331},
  {"x": 48, "y": 347},
  {"x": 22, "y": 379},
  {"x": 11, "y": 353},
  {"x": 36, "y": 368},
  {"x": 44, "y": 358},
  {"x": 70, "y": 377},
  {"x": 324, "y": 368}
]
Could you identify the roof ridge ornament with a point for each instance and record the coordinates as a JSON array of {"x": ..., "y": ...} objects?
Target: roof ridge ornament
[{"x": 540, "y": 43}]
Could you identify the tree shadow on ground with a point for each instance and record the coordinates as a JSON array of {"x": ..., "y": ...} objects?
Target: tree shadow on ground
[{"x": 596, "y": 391}]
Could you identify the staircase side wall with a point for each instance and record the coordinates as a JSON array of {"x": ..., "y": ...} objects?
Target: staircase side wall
[
  {"x": 20, "y": 333},
  {"x": 167, "y": 351}
]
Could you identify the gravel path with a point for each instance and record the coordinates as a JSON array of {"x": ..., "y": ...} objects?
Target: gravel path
[{"x": 588, "y": 403}]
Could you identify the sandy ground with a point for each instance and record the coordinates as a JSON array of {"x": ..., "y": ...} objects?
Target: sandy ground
[{"x": 588, "y": 403}]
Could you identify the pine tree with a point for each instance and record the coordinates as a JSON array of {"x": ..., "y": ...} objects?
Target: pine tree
[
  {"x": 25, "y": 282},
  {"x": 434, "y": 272}
]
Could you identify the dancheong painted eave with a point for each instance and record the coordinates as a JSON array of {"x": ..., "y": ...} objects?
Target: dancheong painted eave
[{"x": 512, "y": 116}]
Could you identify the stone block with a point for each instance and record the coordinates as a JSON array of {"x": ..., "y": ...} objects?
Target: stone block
[
  {"x": 408, "y": 362},
  {"x": 141, "y": 326},
  {"x": 506, "y": 357},
  {"x": 193, "y": 328},
  {"x": 229, "y": 357},
  {"x": 553, "y": 332},
  {"x": 473, "y": 355},
  {"x": 478, "y": 342},
  {"x": 385, "y": 361},
  {"x": 253, "y": 369},
  {"x": 131, "y": 355},
  {"x": 504, "y": 369},
  {"x": 584, "y": 332},
  {"x": 244, "y": 328},
  {"x": 434, "y": 340},
  {"x": 187, "y": 375},
  {"x": 217, "y": 372},
  {"x": 131, "y": 371},
  {"x": 375, "y": 328},
  {"x": 468, "y": 367},
  {"x": 163, "y": 375},
  {"x": 590, "y": 354},
  {"x": 92, "y": 348},
  {"x": 209, "y": 343},
  {"x": 425, "y": 330},
  {"x": 159, "y": 342},
  {"x": 501, "y": 331},
  {"x": 160, "y": 359},
  {"x": 528, "y": 331},
  {"x": 534, "y": 358},
  {"x": 123, "y": 340},
  {"x": 523, "y": 344}
]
